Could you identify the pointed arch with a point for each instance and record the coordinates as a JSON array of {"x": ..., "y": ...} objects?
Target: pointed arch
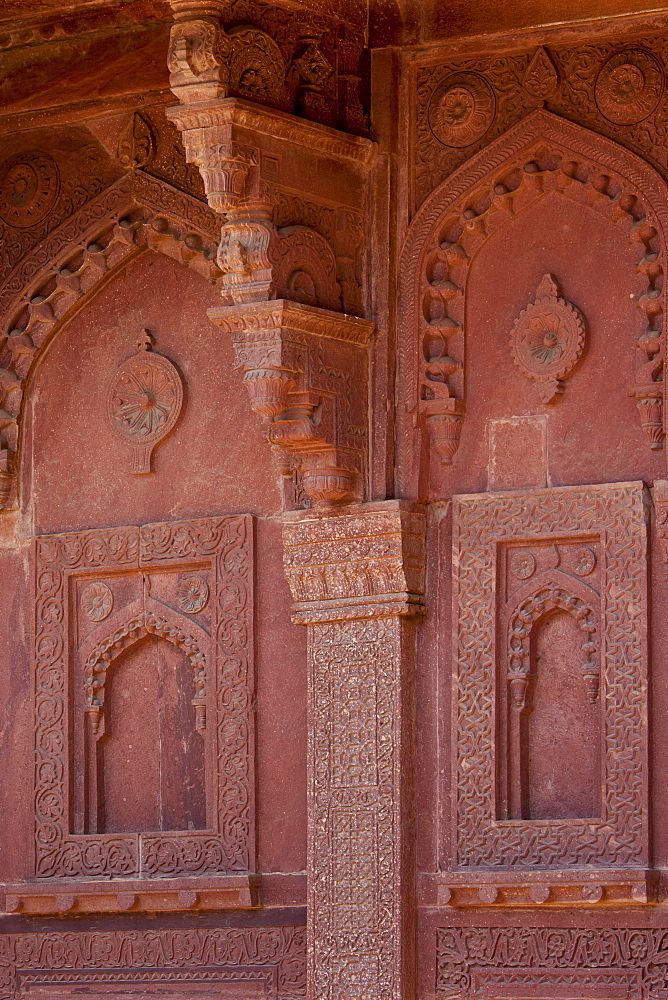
[
  {"x": 123, "y": 631},
  {"x": 135, "y": 215},
  {"x": 541, "y": 154}
]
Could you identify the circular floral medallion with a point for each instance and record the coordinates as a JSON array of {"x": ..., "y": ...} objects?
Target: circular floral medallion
[
  {"x": 548, "y": 339},
  {"x": 584, "y": 562},
  {"x": 29, "y": 185},
  {"x": 192, "y": 593},
  {"x": 523, "y": 565},
  {"x": 629, "y": 87},
  {"x": 144, "y": 402},
  {"x": 97, "y": 602},
  {"x": 461, "y": 109}
]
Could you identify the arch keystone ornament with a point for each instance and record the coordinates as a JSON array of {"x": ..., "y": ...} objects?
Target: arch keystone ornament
[
  {"x": 144, "y": 402},
  {"x": 548, "y": 339}
]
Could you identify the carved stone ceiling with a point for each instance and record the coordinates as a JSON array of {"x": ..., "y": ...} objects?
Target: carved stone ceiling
[{"x": 62, "y": 59}]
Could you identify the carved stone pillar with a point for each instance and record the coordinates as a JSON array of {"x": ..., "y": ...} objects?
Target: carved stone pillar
[{"x": 357, "y": 579}]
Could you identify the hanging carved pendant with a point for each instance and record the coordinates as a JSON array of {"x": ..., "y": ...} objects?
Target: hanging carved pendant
[
  {"x": 548, "y": 339},
  {"x": 144, "y": 402},
  {"x": 540, "y": 79}
]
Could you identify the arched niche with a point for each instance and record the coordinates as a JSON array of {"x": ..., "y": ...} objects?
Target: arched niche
[
  {"x": 96, "y": 249},
  {"x": 141, "y": 724},
  {"x": 550, "y": 701},
  {"x": 70, "y": 438},
  {"x": 542, "y": 158}
]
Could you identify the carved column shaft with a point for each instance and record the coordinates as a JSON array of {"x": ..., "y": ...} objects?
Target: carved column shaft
[{"x": 357, "y": 577}]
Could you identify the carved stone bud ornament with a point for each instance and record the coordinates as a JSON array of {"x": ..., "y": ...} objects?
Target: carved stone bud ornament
[
  {"x": 144, "y": 402},
  {"x": 548, "y": 339}
]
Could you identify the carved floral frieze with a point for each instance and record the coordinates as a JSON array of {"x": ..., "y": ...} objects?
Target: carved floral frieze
[
  {"x": 272, "y": 959},
  {"x": 483, "y": 960}
]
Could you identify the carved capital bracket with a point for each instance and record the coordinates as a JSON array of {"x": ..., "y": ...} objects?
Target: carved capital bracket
[
  {"x": 357, "y": 578},
  {"x": 227, "y": 140},
  {"x": 197, "y": 62},
  {"x": 363, "y": 561},
  {"x": 306, "y": 371}
]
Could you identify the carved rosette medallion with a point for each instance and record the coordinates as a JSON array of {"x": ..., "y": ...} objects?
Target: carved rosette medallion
[
  {"x": 540, "y": 79},
  {"x": 461, "y": 109},
  {"x": 523, "y": 565},
  {"x": 29, "y": 185},
  {"x": 192, "y": 594},
  {"x": 144, "y": 402},
  {"x": 585, "y": 561},
  {"x": 629, "y": 87},
  {"x": 97, "y": 602},
  {"x": 548, "y": 339}
]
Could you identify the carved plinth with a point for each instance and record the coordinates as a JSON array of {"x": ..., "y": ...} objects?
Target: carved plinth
[
  {"x": 306, "y": 371},
  {"x": 357, "y": 578}
]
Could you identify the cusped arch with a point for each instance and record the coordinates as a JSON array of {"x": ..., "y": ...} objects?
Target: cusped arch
[
  {"x": 551, "y": 593},
  {"x": 123, "y": 631},
  {"x": 135, "y": 215},
  {"x": 541, "y": 154}
]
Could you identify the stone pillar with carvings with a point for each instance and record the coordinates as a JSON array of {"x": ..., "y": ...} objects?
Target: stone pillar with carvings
[{"x": 357, "y": 579}]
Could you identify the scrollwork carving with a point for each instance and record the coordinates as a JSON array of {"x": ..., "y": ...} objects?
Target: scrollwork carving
[{"x": 223, "y": 691}]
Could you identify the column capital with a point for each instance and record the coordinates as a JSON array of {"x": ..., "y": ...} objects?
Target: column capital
[{"x": 359, "y": 561}]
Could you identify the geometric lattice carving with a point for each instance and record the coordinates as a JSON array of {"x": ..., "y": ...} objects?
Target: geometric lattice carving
[
  {"x": 357, "y": 578},
  {"x": 142, "y": 568},
  {"x": 570, "y": 525}
]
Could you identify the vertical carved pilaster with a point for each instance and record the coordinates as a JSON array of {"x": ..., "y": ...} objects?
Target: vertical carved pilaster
[{"x": 357, "y": 578}]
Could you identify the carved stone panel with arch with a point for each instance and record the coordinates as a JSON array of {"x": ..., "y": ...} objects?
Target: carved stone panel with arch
[
  {"x": 541, "y": 158},
  {"x": 143, "y": 706},
  {"x": 550, "y": 652}
]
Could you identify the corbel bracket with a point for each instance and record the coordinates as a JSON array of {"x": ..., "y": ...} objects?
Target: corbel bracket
[{"x": 306, "y": 372}]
